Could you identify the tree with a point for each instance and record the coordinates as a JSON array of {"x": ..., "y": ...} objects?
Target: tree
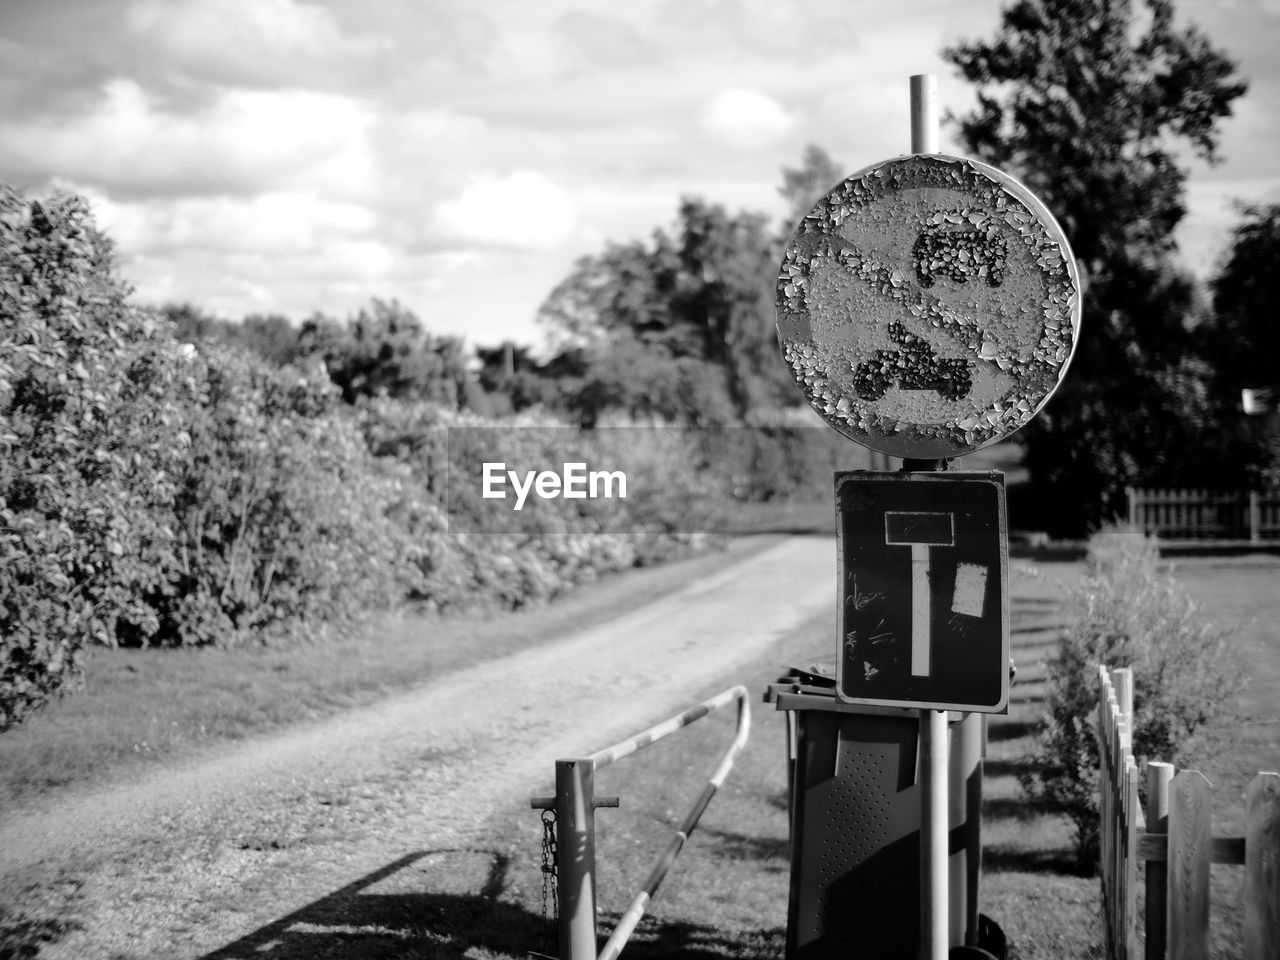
[
  {"x": 680, "y": 321},
  {"x": 384, "y": 351},
  {"x": 802, "y": 188},
  {"x": 1245, "y": 333},
  {"x": 271, "y": 337},
  {"x": 1086, "y": 101},
  {"x": 1243, "y": 340},
  {"x": 514, "y": 380}
]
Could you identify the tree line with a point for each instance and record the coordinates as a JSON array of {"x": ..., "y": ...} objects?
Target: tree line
[
  {"x": 1094, "y": 106},
  {"x": 174, "y": 478}
]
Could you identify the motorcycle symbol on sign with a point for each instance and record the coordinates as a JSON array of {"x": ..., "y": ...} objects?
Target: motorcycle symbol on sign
[{"x": 961, "y": 255}]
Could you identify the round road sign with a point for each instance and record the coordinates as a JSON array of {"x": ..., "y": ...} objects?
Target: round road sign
[{"x": 928, "y": 306}]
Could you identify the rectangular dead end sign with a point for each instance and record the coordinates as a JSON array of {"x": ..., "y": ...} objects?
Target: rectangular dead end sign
[{"x": 924, "y": 590}]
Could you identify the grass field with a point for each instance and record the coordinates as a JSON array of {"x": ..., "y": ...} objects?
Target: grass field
[
  {"x": 737, "y": 871},
  {"x": 727, "y": 895},
  {"x": 143, "y": 707},
  {"x": 1240, "y": 591}
]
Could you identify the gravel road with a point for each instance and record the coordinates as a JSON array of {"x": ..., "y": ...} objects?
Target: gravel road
[{"x": 198, "y": 860}]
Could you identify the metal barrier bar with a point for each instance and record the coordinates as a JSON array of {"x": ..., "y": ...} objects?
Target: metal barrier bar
[
  {"x": 657, "y": 732},
  {"x": 640, "y": 904},
  {"x": 575, "y": 805}
]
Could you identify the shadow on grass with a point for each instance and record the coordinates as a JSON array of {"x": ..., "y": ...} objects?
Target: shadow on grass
[
  {"x": 1008, "y": 768},
  {"x": 356, "y": 922},
  {"x": 1010, "y": 730},
  {"x": 998, "y": 858},
  {"x": 1026, "y": 629},
  {"x": 22, "y": 936},
  {"x": 1005, "y": 808},
  {"x": 694, "y": 941},
  {"x": 738, "y": 846}
]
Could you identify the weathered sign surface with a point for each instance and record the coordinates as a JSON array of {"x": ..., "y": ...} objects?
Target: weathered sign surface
[
  {"x": 923, "y": 618},
  {"x": 928, "y": 306}
]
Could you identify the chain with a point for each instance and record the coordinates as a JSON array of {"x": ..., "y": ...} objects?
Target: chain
[{"x": 550, "y": 880}]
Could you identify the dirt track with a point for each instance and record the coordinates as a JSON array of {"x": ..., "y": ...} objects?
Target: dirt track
[{"x": 191, "y": 862}]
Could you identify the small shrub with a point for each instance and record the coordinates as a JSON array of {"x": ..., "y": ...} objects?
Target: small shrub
[{"x": 1126, "y": 614}]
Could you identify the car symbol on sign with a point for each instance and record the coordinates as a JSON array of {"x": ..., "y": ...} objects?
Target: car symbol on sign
[{"x": 959, "y": 253}]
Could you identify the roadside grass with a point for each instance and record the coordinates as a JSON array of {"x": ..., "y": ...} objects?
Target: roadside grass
[
  {"x": 144, "y": 707},
  {"x": 1240, "y": 591},
  {"x": 1030, "y": 884},
  {"x": 726, "y": 895}
]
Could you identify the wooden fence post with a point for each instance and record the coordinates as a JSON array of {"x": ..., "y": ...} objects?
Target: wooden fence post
[
  {"x": 1262, "y": 868},
  {"x": 1132, "y": 813},
  {"x": 1159, "y": 776},
  {"x": 1123, "y": 679},
  {"x": 1190, "y": 853}
]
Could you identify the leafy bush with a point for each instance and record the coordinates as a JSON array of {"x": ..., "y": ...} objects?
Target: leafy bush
[
  {"x": 283, "y": 517},
  {"x": 91, "y": 399},
  {"x": 559, "y": 544},
  {"x": 1126, "y": 614},
  {"x": 153, "y": 493}
]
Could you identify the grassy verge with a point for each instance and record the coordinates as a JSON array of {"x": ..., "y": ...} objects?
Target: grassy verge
[
  {"x": 1239, "y": 591},
  {"x": 142, "y": 707},
  {"x": 1030, "y": 885},
  {"x": 727, "y": 894}
]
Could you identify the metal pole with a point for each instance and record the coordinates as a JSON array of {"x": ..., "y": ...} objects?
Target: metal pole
[
  {"x": 965, "y": 806},
  {"x": 924, "y": 113},
  {"x": 576, "y": 857},
  {"x": 935, "y": 912}
]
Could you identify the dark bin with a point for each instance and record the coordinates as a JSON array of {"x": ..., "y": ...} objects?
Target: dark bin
[{"x": 855, "y": 826}]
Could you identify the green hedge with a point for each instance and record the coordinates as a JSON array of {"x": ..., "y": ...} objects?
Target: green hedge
[{"x": 153, "y": 493}]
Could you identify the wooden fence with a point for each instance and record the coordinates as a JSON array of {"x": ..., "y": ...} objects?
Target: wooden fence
[
  {"x": 1252, "y": 515},
  {"x": 1173, "y": 839}
]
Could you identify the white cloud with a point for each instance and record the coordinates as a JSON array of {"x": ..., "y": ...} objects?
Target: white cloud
[
  {"x": 746, "y": 119},
  {"x": 524, "y": 210},
  {"x": 601, "y": 39},
  {"x": 244, "y": 142},
  {"x": 244, "y": 41},
  {"x": 792, "y": 30},
  {"x": 271, "y": 223}
]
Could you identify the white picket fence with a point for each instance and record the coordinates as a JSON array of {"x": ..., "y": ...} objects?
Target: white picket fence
[
  {"x": 1252, "y": 515},
  {"x": 1174, "y": 841}
]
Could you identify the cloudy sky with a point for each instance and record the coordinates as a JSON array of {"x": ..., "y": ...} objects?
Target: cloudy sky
[{"x": 301, "y": 155}]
